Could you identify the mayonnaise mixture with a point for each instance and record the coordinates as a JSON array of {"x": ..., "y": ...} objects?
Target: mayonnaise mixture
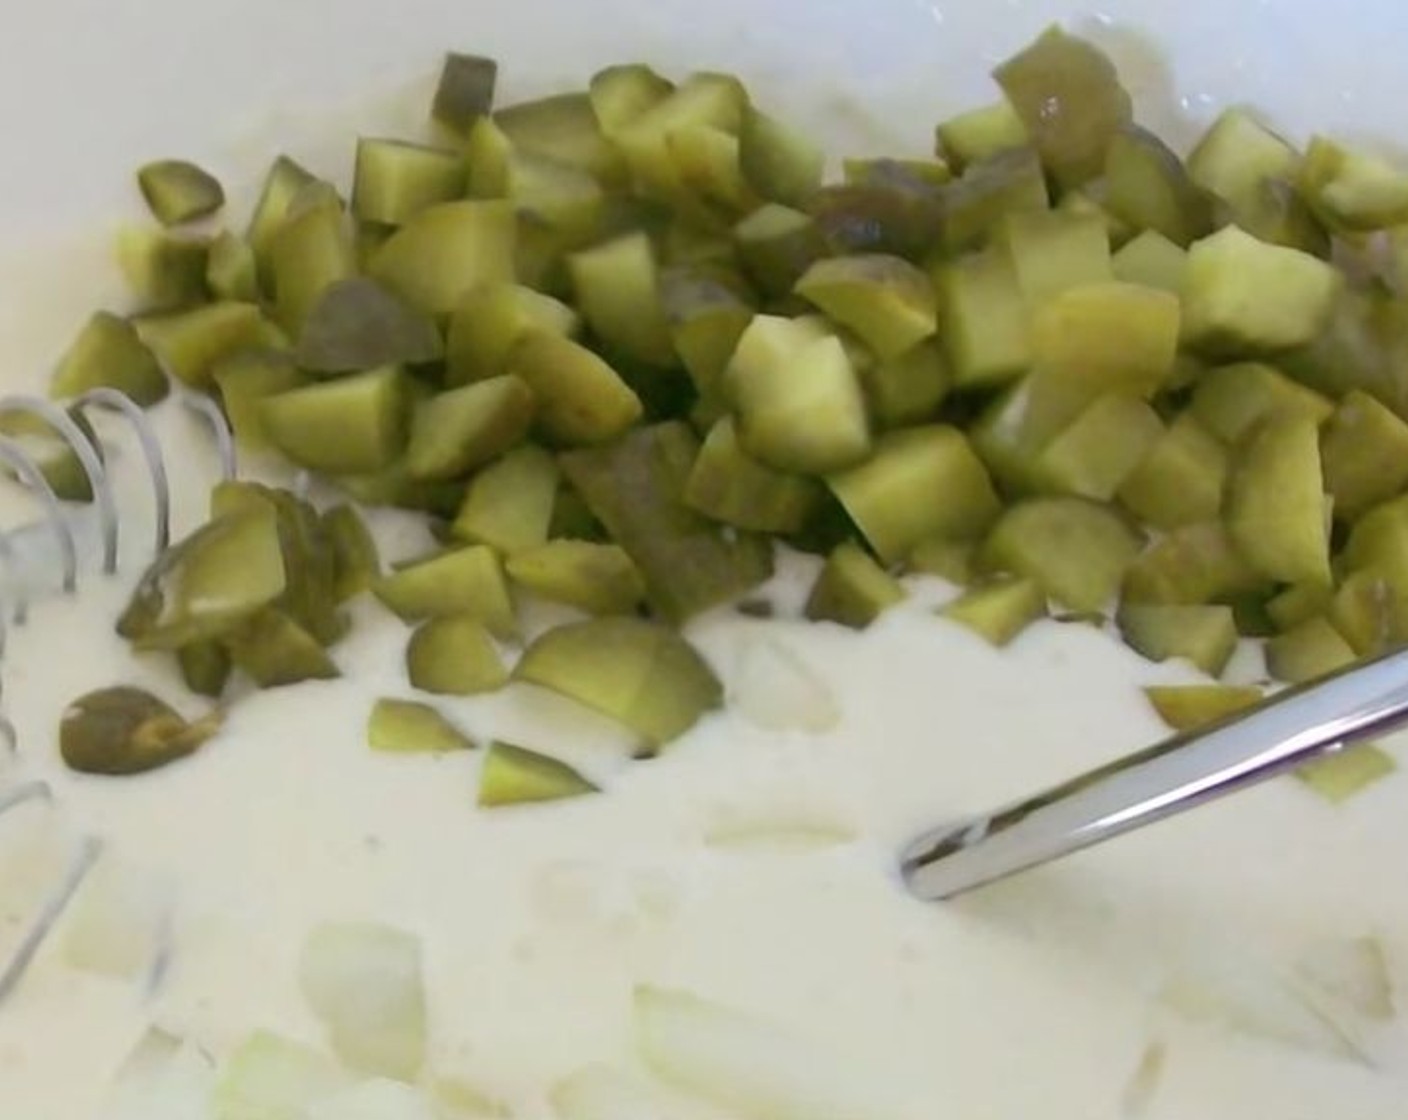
[{"x": 753, "y": 864}]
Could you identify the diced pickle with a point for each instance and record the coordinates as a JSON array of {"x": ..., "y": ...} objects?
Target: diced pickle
[
  {"x": 798, "y": 400},
  {"x": 1147, "y": 185},
  {"x": 1353, "y": 190},
  {"x": 177, "y": 191},
  {"x": 109, "y": 353},
  {"x": 943, "y": 557},
  {"x": 780, "y": 162},
  {"x": 1378, "y": 544},
  {"x": 580, "y": 399},
  {"x": 1191, "y": 564},
  {"x": 393, "y": 486},
  {"x": 1152, "y": 260},
  {"x": 460, "y": 429},
  {"x": 1338, "y": 777},
  {"x": 729, "y": 485},
  {"x": 852, "y": 589},
  {"x": 1180, "y": 479},
  {"x": 244, "y": 379},
  {"x": 492, "y": 320},
  {"x": 1237, "y": 155},
  {"x": 446, "y": 251},
  {"x": 1205, "y": 635},
  {"x": 620, "y": 94},
  {"x": 353, "y": 425},
  {"x": 189, "y": 343},
  {"x": 564, "y": 199},
  {"x": 708, "y": 162},
  {"x": 972, "y": 206},
  {"x": 707, "y": 315},
  {"x": 453, "y": 655},
  {"x": 978, "y": 134},
  {"x": 356, "y": 561},
  {"x": 984, "y": 319},
  {"x": 274, "y": 651},
  {"x": 1096, "y": 454},
  {"x": 1193, "y": 706},
  {"x": 311, "y": 250},
  {"x": 564, "y": 127},
  {"x": 122, "y": 731},
  {"x": 1364, "y": 453},
  {"x": 1299, "y": 603},
  {"x": 636, "y": 489},
  {"x": 231, "y": 269},
  {"x": 1368, "y": 614},
  {"x": 356, "y": 324},
  {"x": 641, "y": 674},
  {"x": 908, "y": 388},
  {"x": 617, "y": 288},
  {"x": 205, "y": 667},
  {"x": 921, "y": 482},
  {"x": 395, "y": 180},
  {"x": 1053, "y": 252},
  {"x": 1244, "y": 296},
  {"x": 465, "y": 91},
  {"x": 509, "y": 503},
  {"x": 717, "y": 100},
  {"x": 1230, "y": 401},
  {"x": 465, "y": 581},
  {"x": 596, "y": 578},
  {"x": 410, "y": 727},
  {"x": 1276, "y": 501},
  {"x": 285, "y": 179},
  {"x": 1308, "y": 651},
  {"x": 164, "y": 270},
  {"x": 55, "y": 457},
  {"x": 1002, "y": 440},
  {"x": 515, "y": 776},
  {"x": 998, "y": 610},
  {"x": 1088, "y": 203},
  {"x": 1076, "y": 551},
  {"x": 200, "y": 588},
  {"x": 885, "y": 300},
  {"x": 776, "y": 245},
  {"x": 1069, "y": 96}
]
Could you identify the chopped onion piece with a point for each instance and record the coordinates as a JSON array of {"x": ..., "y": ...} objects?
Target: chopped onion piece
[
  {"x": 118, "y": 923},
  {"x": 272, "y": 1078},
  {"x": 374, "y": 1100},
  {"x": 1353, "y": 974},
  {"x": 365, "y": 982},
  {"x": 775, "y": 689},
  {"x": 747, "y": 1065}
]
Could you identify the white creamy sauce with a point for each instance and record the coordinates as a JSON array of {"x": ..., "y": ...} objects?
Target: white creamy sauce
[{"x": 752, "y": 865}]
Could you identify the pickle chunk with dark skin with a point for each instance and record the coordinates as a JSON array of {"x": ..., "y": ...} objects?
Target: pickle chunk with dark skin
[
  {"x": 120, "y": 731},
  {"x": 178, "y": 191}
]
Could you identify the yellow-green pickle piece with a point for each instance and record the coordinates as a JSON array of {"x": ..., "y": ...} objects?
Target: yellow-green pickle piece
[
  {"x": 780, "y": 163},
  {"x": 445, "y": 251},
  {"x": 274, "y": 651},
  {"x": 908, "y": 388},
  {"x": 517, "y": 776},
  {"x": 108, "y": 353},
  {"x": 1075, "y": 550},
  {"x": 1069, "y": 97},
  {"x": 177, "y": 190},
  {"x": 163, "y": 270},
  {"x": 1192, "y": 564},
  {"x": 353, "y": 425},
  {"x": 205, "y": 668},
  {"x": 395, "y": 180},
  {"x": 998, "y": 610},
  {"x": 510, "y": 501},
  {"x": 468, "y": 581},
  {"x": 636, "y": 489},
  {"x": 919, "y": 483},
  {"x": 564, "y": 127},
  {"x": 1353, "y": 190},
  {"x": 1307, "y": 652},
  {"x": 776, "y": 245},
  {"x": 707, "y": 316},
  {"x": 1096, "y": 454},
  {"x": 1205, "y": 635},
  {"x": 1229, "y": 401},
  {"x": 984, "y": 319},
  {"x": 1348, "y": 772},
  {"x": 190, "y": 343},
  {"x": 948, "y": 559},
  {"x": 356, "y": 560},
  {"x": 1364, "y": 454},
  {"x": 356, "y": 324},
  {"x": 311, "y": 249},
  {"x": 886, "y": 301},
  {"x": 978, "y": 134},
  {"x": 1367, "y": 612},
  {"x": 231, "y": 269},
  {"x": 1153, "y": 260},
  {"x": 580, "y": 398},
  {"x": 642, "y": 674},
  {"x": 455, "y": 431},
  {"x": 55, "y": 457},
  {"x": 1276, "y": 511},
  {"x": 1189, "y": 707},
  {"x": 1147, "y": 186},
  {"x": 622, "y": 93},
  {"x": 225, "y": 571},
  {"x": 1180, "y": 479},
  {"x": 973, "y": 207},
  {"x": 454, "y": 655},
  {"x": 122, "y": 731},
  {"x": 617, "y": 290},
  {"x": 1053, "y": 252},
  {"x": 411, "y": 727},
  {"x": 593, "y": 577},
  {"x": 852, "y": 589},
  {"x": 729, "y": 485},
  {"x": 282, "y": 184},
  {"x": 1242, "y": 296},
  {"x": 245, "y": 379},
  {"x": 491, "y": 321}
]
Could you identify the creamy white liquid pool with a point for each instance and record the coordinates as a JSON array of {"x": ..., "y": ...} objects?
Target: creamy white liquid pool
[{"x": 754, "y": 867}]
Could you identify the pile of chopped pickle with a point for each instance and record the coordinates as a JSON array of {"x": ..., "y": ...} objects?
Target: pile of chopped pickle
[{"x": 619, "y": 344}]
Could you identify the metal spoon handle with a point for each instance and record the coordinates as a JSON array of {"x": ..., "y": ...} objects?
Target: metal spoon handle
[{"x": 1292, "y": 728}]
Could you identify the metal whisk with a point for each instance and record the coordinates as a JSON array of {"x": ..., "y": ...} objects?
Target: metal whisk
[{"x": 62, "y": 523}]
